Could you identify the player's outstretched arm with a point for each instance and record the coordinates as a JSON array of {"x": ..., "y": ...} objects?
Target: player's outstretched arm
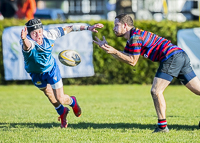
[
  {"x": 92, "y": 28},
  {"x": 26, "y": 42},
  {"x": 129, "y": 59}
]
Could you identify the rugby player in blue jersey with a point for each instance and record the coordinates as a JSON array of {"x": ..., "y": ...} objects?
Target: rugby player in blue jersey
[
  {"x": 37, "y": 45},
  {"x": 174, "y": 62}
]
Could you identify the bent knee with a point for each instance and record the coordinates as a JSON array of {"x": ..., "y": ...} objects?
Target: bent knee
[
  {"x": 155, "y": 93},
  {"x": 64, "y": 99},
  {"x": 60, "y": 98}
]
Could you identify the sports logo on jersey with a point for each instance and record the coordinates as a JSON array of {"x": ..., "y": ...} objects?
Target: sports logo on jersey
[
  {"x": 38, "y": 83},
  {"x": 145, "y": 55},
  {"x": 52, "y": 45},
  {"x": 55, "y": 78},
  {"x": 134, "y": 39}
]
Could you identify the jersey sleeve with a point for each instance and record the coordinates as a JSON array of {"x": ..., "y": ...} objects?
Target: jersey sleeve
[
  {"x": 133, "y": 46},
  {"x": 54, "y": 33},
  {"x": 32, "y": 45}
]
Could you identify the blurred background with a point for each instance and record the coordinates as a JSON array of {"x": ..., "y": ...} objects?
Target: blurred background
[
  {"x": 175, "y": 10},
  {"x": 176, "y": 20}
]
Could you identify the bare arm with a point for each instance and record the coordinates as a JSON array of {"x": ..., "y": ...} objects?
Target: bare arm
[
  {"x": 129, "y": 59},
  {"x": 26, "y": 42},
  {"x": 92, "y": 28}
]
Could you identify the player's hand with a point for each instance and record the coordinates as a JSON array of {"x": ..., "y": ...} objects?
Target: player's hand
[
  {"x": 93, "y": 27},
  {"x": 109, "y": 49},
  {"x": 99, "y": 42},
  {"x": 104, "y": 45},
  {"x": 24, "y": 33}
]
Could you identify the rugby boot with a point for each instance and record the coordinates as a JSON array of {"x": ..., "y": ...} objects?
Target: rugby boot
[
  {"x": 63, "y": 118},
  {"x": 157, "y": 129},
  {"x": 76, "y": 108}
]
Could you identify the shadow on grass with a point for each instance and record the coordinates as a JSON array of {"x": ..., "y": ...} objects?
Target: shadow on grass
[
  {"x": 83, "y": 125},
  {"x": 29, "y": 125},
  {"x": 86, "y": 125}
]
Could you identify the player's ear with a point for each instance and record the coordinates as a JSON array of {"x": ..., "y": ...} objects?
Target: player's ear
[{"x": 125, "y": 25}]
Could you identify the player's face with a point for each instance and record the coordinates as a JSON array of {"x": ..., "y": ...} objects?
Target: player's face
[
  {"x": 37, "y": 35},
  {"x": 119, "y": 28}
]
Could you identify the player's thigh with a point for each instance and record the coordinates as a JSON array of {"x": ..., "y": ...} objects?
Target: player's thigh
[
  {"x": 164, "y": 76},
  {"x": 59, "y": 93},
  {"x": 194, "y": 85},
  {"x": 47, "y": 90},
  {"x": 55, "y": 81},
  {"x": 159, "y": 85},
  {"x": 54, "y": 77}
]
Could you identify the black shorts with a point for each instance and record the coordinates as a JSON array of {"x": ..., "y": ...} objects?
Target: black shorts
[{"x": 178, "y": 65}]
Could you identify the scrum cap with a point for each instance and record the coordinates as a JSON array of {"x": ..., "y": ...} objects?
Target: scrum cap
[{"x": 33, "y": 24}]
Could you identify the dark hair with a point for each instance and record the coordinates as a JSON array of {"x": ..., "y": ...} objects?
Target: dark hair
[
  {"x": 33, "y": 24},
  {"x": 125, "y": 18}
]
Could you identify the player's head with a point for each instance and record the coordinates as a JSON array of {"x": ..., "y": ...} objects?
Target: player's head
[
  {"x": 123, "y": 23},
  {"x": 35, "y": 29}
]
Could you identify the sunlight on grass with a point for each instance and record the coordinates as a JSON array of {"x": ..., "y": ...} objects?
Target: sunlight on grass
[{"x": 111, "y": 113}]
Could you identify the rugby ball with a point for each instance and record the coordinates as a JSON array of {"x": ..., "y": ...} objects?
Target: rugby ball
[{"x": 69, "y": 58}]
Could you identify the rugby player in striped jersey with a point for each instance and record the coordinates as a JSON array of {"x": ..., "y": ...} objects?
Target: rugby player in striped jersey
[{"x": 174, "y": 62}]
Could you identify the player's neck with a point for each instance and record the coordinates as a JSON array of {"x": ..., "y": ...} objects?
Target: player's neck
[{"x": 127, "y": 34}]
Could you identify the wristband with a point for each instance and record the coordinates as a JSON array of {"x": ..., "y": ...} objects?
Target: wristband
[
  {"x": 86, "y": 28},
  {"x": 76, "y": 27}
]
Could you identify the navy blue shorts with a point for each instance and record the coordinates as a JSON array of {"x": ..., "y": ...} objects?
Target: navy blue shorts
[
  {"x": 52, "y": 77},
  {"x": 178, "y": 65}
]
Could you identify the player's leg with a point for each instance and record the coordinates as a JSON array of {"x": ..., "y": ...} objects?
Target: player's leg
[
  {"x": 48, "y": 91},
  {"x": 165, "y": 73},
  {"x": 188, "y": 77},
  {"x": 39, "y": 81},
  {"x": 67, "y": 100},
  {"x": 61, "y": 110},
  {"x": 60, "y": 96},
  {"x": 194, "y": 85},
  {"x": 56, "y": 82},
  {"x": 158, "y": 87}
]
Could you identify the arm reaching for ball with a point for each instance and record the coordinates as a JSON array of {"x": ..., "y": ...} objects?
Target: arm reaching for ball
[
  {"x": 129, "y": 59},
  {"x": 92, "y": 28}
]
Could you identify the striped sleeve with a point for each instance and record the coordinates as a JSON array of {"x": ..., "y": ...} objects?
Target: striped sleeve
[
  {"x": 32, "y": 45},
  {"x": 133, "y": 46}
]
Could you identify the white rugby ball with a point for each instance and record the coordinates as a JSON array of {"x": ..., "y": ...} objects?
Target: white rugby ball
[{"x": 69, "y": 58}]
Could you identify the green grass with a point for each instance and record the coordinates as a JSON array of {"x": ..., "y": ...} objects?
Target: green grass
[{"x": 111, "y": 113}]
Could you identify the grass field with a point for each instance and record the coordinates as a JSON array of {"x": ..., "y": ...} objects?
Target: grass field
[{"x": 111, "y": 113}]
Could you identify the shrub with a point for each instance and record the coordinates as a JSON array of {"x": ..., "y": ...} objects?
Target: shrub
[{"x": 108, "y": 70}]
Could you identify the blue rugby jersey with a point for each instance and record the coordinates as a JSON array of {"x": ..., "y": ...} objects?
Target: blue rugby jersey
[
  {"x": 150, "y": 45},
  {"x": 39, "y": 59}
]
